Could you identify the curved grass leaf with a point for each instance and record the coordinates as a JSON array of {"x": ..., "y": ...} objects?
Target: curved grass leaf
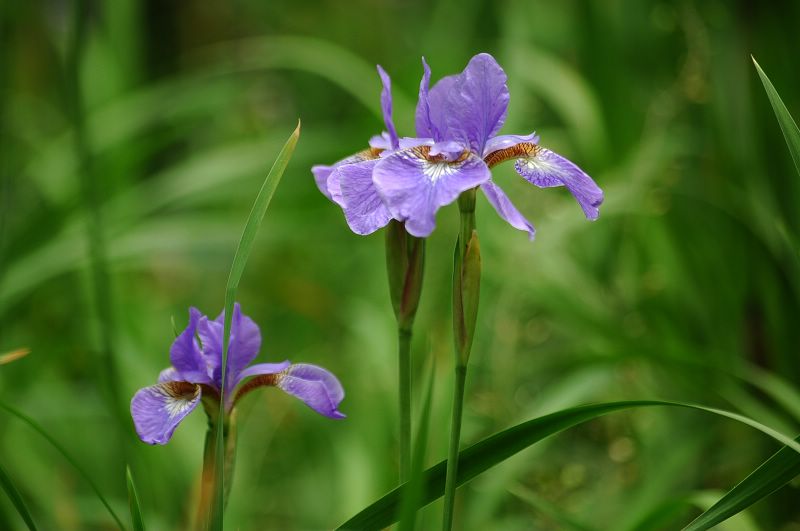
[
  {"x": 788, "y": 126},
  {"x": 237, "y": 268},
  {"x": 133, "y": 502},
  {"x": 33, "y": 424},
  {"x": 485, "y": 454},
  {"x": 774, "y": 473},
  {"x": 16, "y": 499}
]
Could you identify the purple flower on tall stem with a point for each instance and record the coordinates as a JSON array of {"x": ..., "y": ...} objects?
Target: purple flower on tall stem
[
  {"x": 457, "y": 122},
  {"x": 196, "y": 375}
]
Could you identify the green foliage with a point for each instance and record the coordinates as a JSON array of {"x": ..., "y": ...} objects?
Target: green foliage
[
  {"x": 488, "y": 453},
  {"x": 133, "y": 502},
  {"x": 687, "y": 287},
  {"x": 78, "y": 468},
  {"x": 776, "y": 472},
  {"x": 13, "y": 494},
  {"x": 788, "y": 126}
]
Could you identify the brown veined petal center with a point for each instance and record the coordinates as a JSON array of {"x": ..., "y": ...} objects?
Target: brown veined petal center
[{"x": 523, "y": 150}]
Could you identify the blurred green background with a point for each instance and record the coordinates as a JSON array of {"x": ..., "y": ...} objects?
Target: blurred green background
[{"x": 686, "y": 288}]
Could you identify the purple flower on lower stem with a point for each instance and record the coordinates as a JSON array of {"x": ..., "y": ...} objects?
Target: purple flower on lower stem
[
  {"x": 196, "y": 374},
  {"x": 457, "y": 122}
]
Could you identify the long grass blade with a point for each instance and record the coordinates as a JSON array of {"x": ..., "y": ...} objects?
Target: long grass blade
[
  {"x": 133, "y": 502},
  {"x": 16, "y": 499},
  {"x": 788, "y": 126},
  {"x": 774, "y": 473},
  {"x": 237, "y": 268},
  {"x": 487, "y": 453},
  {"x": 35, "y": 425}
]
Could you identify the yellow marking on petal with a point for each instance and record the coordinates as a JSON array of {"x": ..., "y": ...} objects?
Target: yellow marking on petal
[
  {"x": 14, "y": 355},
  {"x": 369, "y": 154},
  {"x": 523, "y": 150}
]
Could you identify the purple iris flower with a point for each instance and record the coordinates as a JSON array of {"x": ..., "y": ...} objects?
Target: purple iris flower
[
  {"x": 196, "y": 374},
  {"x": 457, "y": 122}
]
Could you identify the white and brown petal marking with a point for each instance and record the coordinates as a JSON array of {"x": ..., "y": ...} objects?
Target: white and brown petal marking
[{"x": 157, "y": 410}]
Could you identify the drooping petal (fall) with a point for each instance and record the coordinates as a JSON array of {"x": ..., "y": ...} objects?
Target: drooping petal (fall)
[
  {"x": 364, "y": 208},
  {"x": 157, "y": 410},
  {"x": 318, "y": 388},
  {"x": 414, "y": 184},
  {"x": 321, "y": 175},
  {"x": 328, "y": 181},
  {"x": 545, "y": 169},
  {"x": 506, "y": 209}
]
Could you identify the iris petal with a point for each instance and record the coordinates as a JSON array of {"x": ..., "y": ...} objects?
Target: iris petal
[
  {"x": 363, "y": 207},
  {"x": 185, "y": 353},
  {"x": 157, "y": 410},
  {"x": 414, "y": 184},
  {"x": 264, "y": 368},
  {"x": 545, "y": 169},
  {"x": 469, "y": 107},
  {"x": 506, "y": 209},
  {"x": 316, "y": 387},
  {"x": 168, "y": 375},
  {"x": 503, "y": 142},
  {"x": 386, "y": 105},
  {"x": 478, "y": 103},
  {"x": 321, "y": 175}
]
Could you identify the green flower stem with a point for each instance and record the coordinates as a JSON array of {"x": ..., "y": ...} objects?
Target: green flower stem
[
  {"x": 404, "y": 387},
  {"x": 455, "y": 441},
  {"x": 405, "y": 261},
  {"x": 206, "y": 510},
  {"x": 466, "y": 288}
]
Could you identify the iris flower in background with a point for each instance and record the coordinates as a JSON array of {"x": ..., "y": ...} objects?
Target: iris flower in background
[
  {"x": 457, "y": 121},
  {"x": 196, "y": 375}
]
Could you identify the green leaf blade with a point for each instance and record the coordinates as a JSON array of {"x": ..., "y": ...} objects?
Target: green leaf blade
[
  {"x": 788, "y": 126},
  {"x": 133, "y": 502},
  {"x": 491, "y": 451},
  {"x": 16, "y": 499},
  {"x": 240, "y": 258},
  {"x": 774, "y": 473},
  {"x": 35, "y": 425}
]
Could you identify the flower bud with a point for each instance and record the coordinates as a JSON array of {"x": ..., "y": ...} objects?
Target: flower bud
[
  {"x": 405, "y": 261},
  {"x": 466, "y": 292}
]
